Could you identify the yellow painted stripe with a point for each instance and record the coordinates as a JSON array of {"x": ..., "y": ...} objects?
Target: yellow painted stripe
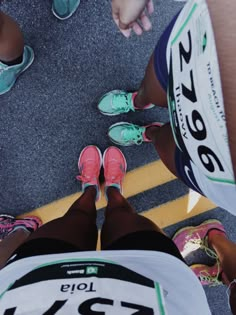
[
  {"x": 178, "y": 210},
  {"x": 136, "y": 181}
]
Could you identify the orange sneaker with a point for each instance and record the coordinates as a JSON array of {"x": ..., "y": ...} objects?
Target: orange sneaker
[
  {"x": 89, "y": 164},
  {"x": 114, "y": 164}
]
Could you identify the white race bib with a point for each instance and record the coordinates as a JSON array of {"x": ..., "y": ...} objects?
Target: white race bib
[
  {"x": 195, "y": 96},
  {"x": 82, "y": 287}
]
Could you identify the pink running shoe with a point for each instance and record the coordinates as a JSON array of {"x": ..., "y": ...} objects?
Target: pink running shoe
[
  {"x": 8, "y": 224},
  {"x": 115, "y": 166},
  {"x": 192, "y": 238},
  {"x": 208, "y": 275},
  {"x": 89, "y": 164}
]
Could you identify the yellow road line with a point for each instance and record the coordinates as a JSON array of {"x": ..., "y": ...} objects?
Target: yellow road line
[
  {"x": 178, "y": 210},
  {"x": 136, "y": 181}
]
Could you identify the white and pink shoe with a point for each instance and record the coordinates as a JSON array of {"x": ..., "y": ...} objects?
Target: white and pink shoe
[{"x": 8, "y": 224}]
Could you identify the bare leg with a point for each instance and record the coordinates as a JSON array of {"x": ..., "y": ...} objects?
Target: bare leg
[
  {"x": 121, "y": 219},
  {"x": 226, "y": 251},
  {"x": 11, "y": 243},
  {"x": 164, "y": 143},
  {"x": 11, "y": 39},
  {"x": 150, "y": 90},
  {"x": 77, "y": 226}
]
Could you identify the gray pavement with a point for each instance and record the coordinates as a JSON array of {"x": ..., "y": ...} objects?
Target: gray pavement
[{"x": 51, "y": 114}]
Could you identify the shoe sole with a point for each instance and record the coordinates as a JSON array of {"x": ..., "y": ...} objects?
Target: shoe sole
[
  {"x": 28, "y": 65},
  {"x": 65, "y": 18},
  {"x": 205, "y": 222},
  {"x": 7, "y": 216},
  {"x": 103, "y": 159},
  {"x": 114, "y": 114},
  {"x": 109, "y": 114}
]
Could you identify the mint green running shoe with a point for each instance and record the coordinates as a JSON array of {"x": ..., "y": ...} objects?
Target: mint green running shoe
[
  {"x": 9, "y": 74},
  {"x": 127, "y": 134},
  {"x": 119, "y": 102},
  {"x": 63, "y": 9}
]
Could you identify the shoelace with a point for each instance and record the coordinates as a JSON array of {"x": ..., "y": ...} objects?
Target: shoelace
[
  {"x": 12, "y": 223},
  {"x": 212, "y": 254},
  {"x": 212, "y": 280},
  {"x": 133, "y": 133},
  {"x": 202, "y": 244},
  {"x": 7, "y": 223},
  {"x": 121, "y": 102},
  {"x": 89, "y": 175}
]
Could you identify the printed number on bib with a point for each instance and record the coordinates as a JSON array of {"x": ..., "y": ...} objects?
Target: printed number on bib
[
  {"x": 84, "y": 288},
  {"x": 194, "y": 94}
]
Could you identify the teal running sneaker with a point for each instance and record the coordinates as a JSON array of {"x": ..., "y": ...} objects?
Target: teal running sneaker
[
  {"x": 119, "y": 102},
  {"x": 127, "y": 134},
  {"x": 63, "y": 9},
  {"x": 9, "y": 74}
]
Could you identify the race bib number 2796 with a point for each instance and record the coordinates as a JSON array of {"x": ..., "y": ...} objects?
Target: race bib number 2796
[{"x": 195, "y": 96}]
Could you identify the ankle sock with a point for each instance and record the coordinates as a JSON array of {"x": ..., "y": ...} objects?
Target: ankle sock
[
  {"x": 212, "y": 232},
  {"x": 14, "y": 62}
]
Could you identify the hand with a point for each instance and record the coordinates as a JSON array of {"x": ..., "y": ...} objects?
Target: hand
[{"x": 132, "y": 14}]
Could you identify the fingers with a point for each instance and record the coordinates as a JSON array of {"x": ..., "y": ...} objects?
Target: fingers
[
  {"x": 137, "y": 29},
  {"x": 150, "y": 7},
  {"x": 132, "y": 16},
  {"x": 120, "y": 25},
  {"x": 146, "y": 24},
  {"x": 123, "y": 26},
  {"x": 126, "y": 33}
]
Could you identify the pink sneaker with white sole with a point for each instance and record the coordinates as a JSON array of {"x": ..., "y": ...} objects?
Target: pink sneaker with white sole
[
  {"x": 114, "y": 164},
  {"x": 8, "y": 224},
  {"x": 191, "y": 238},
  {"x": 89, "y": 164}
]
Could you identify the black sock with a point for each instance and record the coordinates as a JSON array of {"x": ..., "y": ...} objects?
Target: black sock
[{"x": 14, "y": 62}]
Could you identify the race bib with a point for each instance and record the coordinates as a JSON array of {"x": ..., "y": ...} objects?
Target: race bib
[
  {"x": 195, "y": 98},
  {"x": 82, "y": 287}
]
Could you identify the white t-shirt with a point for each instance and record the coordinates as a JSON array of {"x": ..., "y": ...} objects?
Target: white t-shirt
[{"x": 74, "y": 282}]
